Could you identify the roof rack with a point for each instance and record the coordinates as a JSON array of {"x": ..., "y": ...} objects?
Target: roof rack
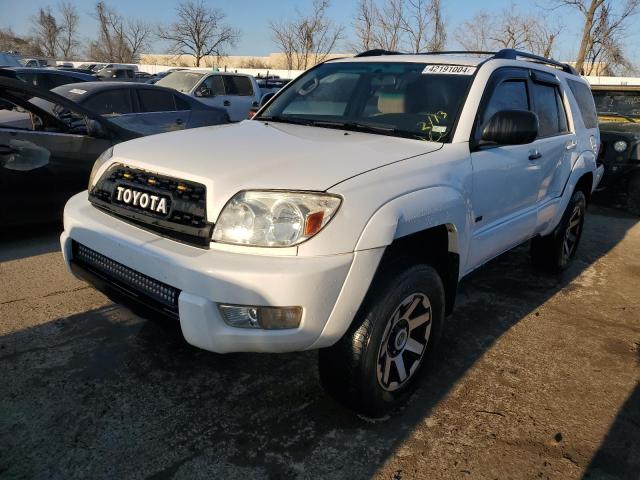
[
  {"x": 504, "y": 54},
  {"x": 511, "y": 54}
]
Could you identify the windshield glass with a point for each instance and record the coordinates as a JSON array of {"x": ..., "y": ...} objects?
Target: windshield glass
[
  {"x": 181, "y": 81},
  {"x": 626, "y": 103},
  {"x": 413, "y": 100}
]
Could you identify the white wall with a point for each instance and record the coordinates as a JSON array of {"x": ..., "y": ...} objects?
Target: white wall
[
  {"x": 150, "y": 68},
  {"x": 613, "y": 80}
]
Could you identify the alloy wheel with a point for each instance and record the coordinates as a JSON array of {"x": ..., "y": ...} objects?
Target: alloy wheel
[
  {"x": 404, "y": 342},
  {"x": 572, "y": 234}
]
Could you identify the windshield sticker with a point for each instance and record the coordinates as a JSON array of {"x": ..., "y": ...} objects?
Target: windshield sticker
[
  {"x": 448, "y": 70},
  {"x": 77, "y": 91}
]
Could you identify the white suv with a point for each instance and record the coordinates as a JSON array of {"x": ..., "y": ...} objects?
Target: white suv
[{"x": 342, "y": 217}]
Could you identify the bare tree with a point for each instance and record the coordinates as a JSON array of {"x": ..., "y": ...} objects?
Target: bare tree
[
  {"x": 424, "y": 26},
  {"x": 307, "y": 39},
  {"x": 119, "y": 40},
  {"x": 365, "y": 22},
  {"x": 474, "y": 33},
  {"x": 509, "y": 29},
  {"x": 46, "y": 31},
  {"x": 199, "y": 31},
  {"x": 391, "y": 25},
  {"x": 439, "y": 36},
  {"x": 68, "y": 41},
  {"x": 136, "y": 34},
  {"x": 11, "y": 42},
  {"x": 603, "y": 31}
]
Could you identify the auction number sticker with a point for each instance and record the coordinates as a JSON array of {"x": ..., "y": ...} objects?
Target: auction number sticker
[{"x": 449, "y": 70}]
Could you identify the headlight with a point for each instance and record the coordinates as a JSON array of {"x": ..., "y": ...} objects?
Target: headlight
[
  {"x": 274, "y": 218},
  {"x": 104, "y": 157},
  {"x": 620, "y": 146}
]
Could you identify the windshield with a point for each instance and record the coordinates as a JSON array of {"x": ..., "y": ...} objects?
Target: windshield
[
  {"x": 181, "y": 81},
  {"x": 625, "y": 103},
  {"x": 413, "y": 100}
]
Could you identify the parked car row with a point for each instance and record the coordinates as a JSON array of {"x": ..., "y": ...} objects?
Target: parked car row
[{"x": 49, "y": 140}]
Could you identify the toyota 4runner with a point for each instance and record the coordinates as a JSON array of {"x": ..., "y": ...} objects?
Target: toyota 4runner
[{"x": 342, "y": 217}]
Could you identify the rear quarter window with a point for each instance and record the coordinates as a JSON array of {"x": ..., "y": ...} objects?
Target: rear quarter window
[
  {"x": 237, "y": 85},
  {"x": 587, "y": 106},
  {"x": 156, "y": 101}
]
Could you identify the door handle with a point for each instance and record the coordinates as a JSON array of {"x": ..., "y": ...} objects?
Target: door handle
[
  {"x": 226, "y": 103},
  {"x": 179, "y": 121},
  {"x": 571, "y": 144},
  {"x": 534, "y": 154}
]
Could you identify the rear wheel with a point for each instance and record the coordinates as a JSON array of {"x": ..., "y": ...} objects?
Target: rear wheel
[
  {"x": 554, "y": 252},
  {"x": 376, "y": 365}
]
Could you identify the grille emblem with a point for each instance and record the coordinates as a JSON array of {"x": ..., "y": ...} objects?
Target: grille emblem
[{"x": 143, "y": 200}]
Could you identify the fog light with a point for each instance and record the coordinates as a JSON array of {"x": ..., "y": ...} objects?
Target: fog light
[
  {"x": 620, "y": 146},
  {"x": 270, "y": 318}
]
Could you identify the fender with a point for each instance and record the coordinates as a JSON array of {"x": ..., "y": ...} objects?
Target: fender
[
  {"x": 549, "y": 215},
  {"x": 417, "y": 211}
]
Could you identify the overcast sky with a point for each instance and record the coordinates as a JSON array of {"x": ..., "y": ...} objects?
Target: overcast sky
[{"x": 251, "y": 17}]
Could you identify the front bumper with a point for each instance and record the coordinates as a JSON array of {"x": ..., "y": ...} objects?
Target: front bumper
[{"x": 328, "y": 288}]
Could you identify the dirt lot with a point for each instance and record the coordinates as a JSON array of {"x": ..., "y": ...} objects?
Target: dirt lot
[{"x": 538, "y": 377}]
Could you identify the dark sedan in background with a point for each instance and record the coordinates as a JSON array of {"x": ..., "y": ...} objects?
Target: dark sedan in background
[
  {"x": 47, "y": 78},
  {"x": 49, "y": 143},
  {"x": 143, "y": 108}
]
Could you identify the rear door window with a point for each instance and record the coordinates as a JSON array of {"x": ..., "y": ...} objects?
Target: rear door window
[
  {"x": 116, "y": 102},
  {"x": 156, "y": 101},
  {"x": 238, "y": 85},
  {"x": 548, "y": 106}
]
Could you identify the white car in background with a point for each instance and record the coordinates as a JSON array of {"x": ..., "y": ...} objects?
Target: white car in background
[{"x": 236, "y": 92}]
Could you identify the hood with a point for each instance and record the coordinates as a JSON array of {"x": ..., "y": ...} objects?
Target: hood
[
  {"x": 258, "y": 155},
  {"x": 625, "y": 127}
]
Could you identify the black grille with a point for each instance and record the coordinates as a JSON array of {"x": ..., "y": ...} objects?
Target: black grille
[
  {"x": 186, "y": 216},
  {"x": 145, "y": 289}
]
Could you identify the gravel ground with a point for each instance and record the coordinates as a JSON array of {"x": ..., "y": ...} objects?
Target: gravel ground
[{"x": 537, "y": 377}]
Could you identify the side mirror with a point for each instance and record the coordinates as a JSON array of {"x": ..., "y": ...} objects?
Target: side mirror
[
  {"x": 204, "y": 92},
  {"x": 511, "y": 127},
  {"x": 95, "y": 129},
  {"x": 266, "y": 98}
]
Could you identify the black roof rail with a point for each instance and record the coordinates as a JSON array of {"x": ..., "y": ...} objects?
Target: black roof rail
[
  {"x": 511, "y": 54},
  {"x": 505, "y": 54},
  {"x": 377, "y": 52},
  {"x": 456, "y": 52}
]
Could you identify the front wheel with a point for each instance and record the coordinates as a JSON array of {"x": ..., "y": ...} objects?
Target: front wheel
[
  {"x": 554, "y": 252},
  {"x": 376, "y": 365}
]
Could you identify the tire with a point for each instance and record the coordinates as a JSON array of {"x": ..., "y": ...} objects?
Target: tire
[
  {"x": 553, "y": 253},
  {"x": 395, "y": 331},
  {"x": 633, "y": 195}
]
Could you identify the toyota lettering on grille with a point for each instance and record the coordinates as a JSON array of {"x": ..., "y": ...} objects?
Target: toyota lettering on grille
[{"x": 142, "y": 200}]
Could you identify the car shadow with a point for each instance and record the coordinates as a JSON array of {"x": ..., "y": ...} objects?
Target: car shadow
[
  {"x": 29, "y": 241},
  {"x": 619, "y": 454},
  {"x": 107, "y": 394}
]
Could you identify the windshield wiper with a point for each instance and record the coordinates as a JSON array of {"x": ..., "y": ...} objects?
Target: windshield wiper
[
  {"x": 367, "y": 128},
  {"x": 280, "y": 119}
]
